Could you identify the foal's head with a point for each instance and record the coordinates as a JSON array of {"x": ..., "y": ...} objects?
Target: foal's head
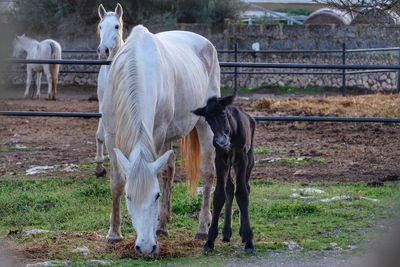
[
  {"x": 216, "y": 116},
  {"x": 110, "y": 30}
]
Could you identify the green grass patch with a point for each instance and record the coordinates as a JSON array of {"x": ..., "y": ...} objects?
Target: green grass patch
[
  {"x": 293, "y": 161},
  {"x": 263, "y": 150},
  {"x": 78, "y": 205}
]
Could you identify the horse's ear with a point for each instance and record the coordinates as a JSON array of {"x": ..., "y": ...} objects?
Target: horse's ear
[
  {"x": 227, "y": 100},
  {"x": 102, "y": 11},
  {"x": 123, "y": 162},
  {"x": 119, "y": 10},
  {"x": 200, "y": 111},
  {"x": 156, "y": 166}
]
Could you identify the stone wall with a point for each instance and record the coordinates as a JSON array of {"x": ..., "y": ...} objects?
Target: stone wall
[{"x": 277, "y": 37}]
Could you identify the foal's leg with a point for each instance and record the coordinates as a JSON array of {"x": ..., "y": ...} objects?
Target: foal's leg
[
  {"x": 38, "y": 83},
  {"x": 207, "y": 171},
  {"x": 230, "y": 190},
  {"x": 28, "y": 80},
  {"x": 100, "y": 170},
  {"x": 242, "y": 199},
  {"x": 117, "y": 187},
  {"x": 165, "y": 213},
  {"x": 221, "y": 164}
]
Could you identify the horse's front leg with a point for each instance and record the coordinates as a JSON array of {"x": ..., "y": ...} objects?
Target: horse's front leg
[
  {"x": 28, "y": 80},
  {"x": 100, "y": 170},
  {"x": 242, "y": 199},
  {"x": 167, "y": 177},
  {"x": 117, "y": 187},
  {"x": 207, "y": 171},
  {"x": 221, "y": 164}
]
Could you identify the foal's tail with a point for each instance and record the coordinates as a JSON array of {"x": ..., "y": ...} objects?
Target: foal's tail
[{"x": 190, "y": 155}]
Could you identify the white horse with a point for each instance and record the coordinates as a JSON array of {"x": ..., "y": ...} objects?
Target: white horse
[
  {"x": 46, "y": 49},
  {"x": 110, "y": 30},
  {"x": 154, "y": 83}
]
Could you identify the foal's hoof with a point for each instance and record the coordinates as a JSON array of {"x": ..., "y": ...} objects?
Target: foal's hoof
[
  {"x": 161, "y": 232},
  {"x": 207, "y": 250},
  {"x": 226, "y": 239},
  {"x": 100, "y": 172},
  {"x": 201, "y": 236},
  {"x": 249, "y": 248}
]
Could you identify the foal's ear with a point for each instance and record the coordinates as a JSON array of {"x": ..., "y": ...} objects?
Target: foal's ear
[
  {"x": 119, "y": 10},
  {"x": 200, "y": 111},
  {"x": 227, "y": 100},
  {"x": 102, "y": 11}
]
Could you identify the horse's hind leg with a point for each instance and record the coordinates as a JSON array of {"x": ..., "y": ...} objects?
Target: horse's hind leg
[
  {"x": 165, "y": 212},
  {"x": 207, "y": 171},
  {"x": 230, "y": 190},
  {"x": 46, "y": 69},
  {"x": 28, "y": 81},
  {"x": 100, "y": 170},
  {"x": 38, "y": 83}
]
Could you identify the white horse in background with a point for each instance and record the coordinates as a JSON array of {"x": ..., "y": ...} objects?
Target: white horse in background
[
  {"x": 110, "y": 30},
  {"x": 153, "y": 84},
  {"x": 46, "y": 49}
]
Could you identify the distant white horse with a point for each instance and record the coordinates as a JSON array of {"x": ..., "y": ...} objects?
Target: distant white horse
[
  {"x": 110, "y": 30},
  {"x": 46, "y": 49},
  {"x": 154, "y": 83}
]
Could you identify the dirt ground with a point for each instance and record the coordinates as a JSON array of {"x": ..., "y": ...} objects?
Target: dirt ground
[{"x": 285, "y": 151}]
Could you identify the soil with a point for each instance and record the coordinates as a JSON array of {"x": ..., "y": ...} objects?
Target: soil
[{"x": 317, "y": 151}]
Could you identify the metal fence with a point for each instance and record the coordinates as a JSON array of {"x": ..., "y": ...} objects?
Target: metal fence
[
  {"x": 342, "y": 71},
  {"x": 341, "y": 68}
]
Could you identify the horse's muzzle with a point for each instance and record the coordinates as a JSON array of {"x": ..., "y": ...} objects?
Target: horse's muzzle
[{"x": 223, "y": 142}]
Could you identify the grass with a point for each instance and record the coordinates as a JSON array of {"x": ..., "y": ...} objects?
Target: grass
[
  {"x": 292, "y": 161},
  {"x": 73, "y": 208},
  {"x": 263, "y": 150}
]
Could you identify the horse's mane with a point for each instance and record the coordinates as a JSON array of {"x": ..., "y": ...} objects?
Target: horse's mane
[{"x": 130, "y": 131}]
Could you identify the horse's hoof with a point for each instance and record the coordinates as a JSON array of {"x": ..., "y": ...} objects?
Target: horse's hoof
[
  {"x": 100, "y": 173},
  {"x": 201, "y": 236},
  {"x": 114, "y": 239},
  {"x": 207, "y": 250},
  {"x": 161, "y": 232}
]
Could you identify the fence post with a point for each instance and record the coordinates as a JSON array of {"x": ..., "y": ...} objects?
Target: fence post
[
  {"x": 398, "y": 74},
  {"x": 235, "y": 71},
  {"x": 344, "y": 71}
]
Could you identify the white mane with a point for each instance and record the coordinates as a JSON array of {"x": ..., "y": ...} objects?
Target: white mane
[{"x": 130, "y": 129}]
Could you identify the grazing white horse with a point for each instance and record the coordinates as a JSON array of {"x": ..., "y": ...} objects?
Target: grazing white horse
[
  {"x": 110, "y": 30},
  {"x": 154, "y": 83},
  {"x": 46, "y": 49}
]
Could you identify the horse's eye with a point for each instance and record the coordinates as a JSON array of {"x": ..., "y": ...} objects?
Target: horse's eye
[
  {"x": 157, "y": 196},
  {"x": 99, "y": 27},
  {"x": 117, "y": 27}
]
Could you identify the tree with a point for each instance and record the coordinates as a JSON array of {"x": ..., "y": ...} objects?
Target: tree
[{"x": 356, "y": 6}]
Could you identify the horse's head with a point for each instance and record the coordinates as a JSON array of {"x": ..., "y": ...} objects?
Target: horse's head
[
  {"x": 17, "y": 45},
  {"x": 110, "y": 30},
  {"x": 216, "y": 116},
  {"x": 142, "y": 192}
]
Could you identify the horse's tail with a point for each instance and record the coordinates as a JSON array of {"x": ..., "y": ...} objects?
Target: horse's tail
[
  {"x": 54, "y": 69},
  {"x": 190, "y": 156}
]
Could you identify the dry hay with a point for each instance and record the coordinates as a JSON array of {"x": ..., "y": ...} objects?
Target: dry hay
[{"x": 387, "y": 106}]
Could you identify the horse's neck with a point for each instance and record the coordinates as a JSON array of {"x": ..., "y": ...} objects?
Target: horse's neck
[
  {"x": 232, "y": 123},
  {"x": 114, "y": 51},
  {"x": 30, "y": 47}
]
